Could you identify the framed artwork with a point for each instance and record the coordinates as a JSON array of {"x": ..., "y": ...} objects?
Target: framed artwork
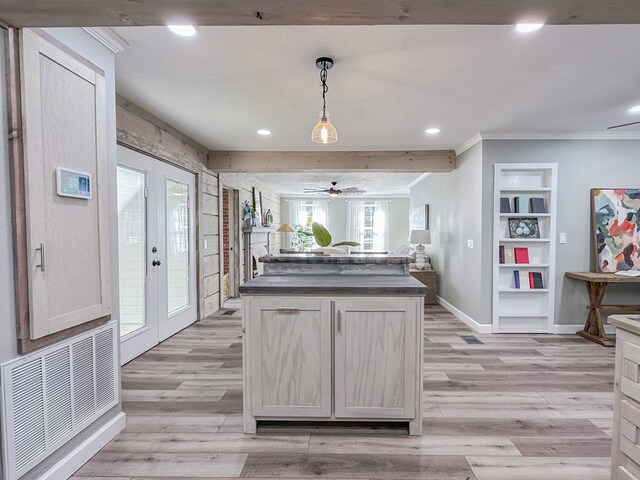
[
  {"x": 419, "y": 218},
  {"x": 524, "y": 228},
  {"x": 615, "y": 223},
  {"x": 257, "y": 205}
]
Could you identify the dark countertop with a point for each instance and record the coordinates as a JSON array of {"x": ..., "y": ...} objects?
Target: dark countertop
[
  {"x": 376, "y": 259},
  {"x": 404, "y": 285}
]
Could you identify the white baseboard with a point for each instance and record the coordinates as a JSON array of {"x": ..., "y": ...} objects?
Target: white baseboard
[
  {"x": 460, "y": 315},
  {"x": 80, "y": 455},
  {"x": 572, "y": 329}
]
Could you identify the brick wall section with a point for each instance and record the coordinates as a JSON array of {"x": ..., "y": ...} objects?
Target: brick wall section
[{"x": 225, "y": 230}]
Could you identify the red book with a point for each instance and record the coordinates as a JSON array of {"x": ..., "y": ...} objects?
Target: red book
[
  {"x": 531, "y": 280},
  {"x": 521, "y": 254}
]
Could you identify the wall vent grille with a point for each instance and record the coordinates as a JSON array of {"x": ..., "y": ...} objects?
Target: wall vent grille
[{"x": 51, "y": 395}]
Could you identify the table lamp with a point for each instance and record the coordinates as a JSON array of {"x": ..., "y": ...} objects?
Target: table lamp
[
  {"x": 420, "y": 238},
  {"x": 285, "y": 228}
]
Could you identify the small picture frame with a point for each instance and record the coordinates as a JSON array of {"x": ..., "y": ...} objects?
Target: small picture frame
[{"x": 524, "y": 228}]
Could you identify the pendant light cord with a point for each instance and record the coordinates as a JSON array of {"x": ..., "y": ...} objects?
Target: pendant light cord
[{"x": 325, "y": 89}]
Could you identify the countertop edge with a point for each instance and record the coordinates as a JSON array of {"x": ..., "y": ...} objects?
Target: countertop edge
[{"x": 626, "y": 323}]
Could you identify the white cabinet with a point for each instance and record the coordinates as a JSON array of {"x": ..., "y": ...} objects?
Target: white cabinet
[
  {"x": 524, "y": 245},
  {"x": 333, "y": 359},
  {"x": 64, "y": 121},
  {"x": 375, "y": 358},
  {"x": 291, "y": 356}
]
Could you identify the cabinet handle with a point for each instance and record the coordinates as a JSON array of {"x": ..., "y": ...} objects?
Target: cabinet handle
[
  {"x": 287, "y": 310},
  {"x": 41, "y": 250},
  {"x": 339, "y": 321}
]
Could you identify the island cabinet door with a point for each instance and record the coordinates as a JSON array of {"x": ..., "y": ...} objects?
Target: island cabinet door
[
  {"x": 290, "y": 342},
  {"x": 375, "y": 358}
]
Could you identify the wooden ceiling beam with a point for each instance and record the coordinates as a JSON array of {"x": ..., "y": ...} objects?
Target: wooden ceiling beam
[
  {"x": 329, "y": 161},
  {"x": 85, "y": 13}
]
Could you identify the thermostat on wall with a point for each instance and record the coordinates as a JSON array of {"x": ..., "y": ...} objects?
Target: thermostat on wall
[{"x": 72, "y": 183}]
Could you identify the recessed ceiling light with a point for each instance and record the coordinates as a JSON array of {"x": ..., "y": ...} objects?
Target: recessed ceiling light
[
  {"x": 529, "y": 27},
  {"x": 264, "y": 131},
  {"x": 432, "y": 131},
  {"x": 635, "y": 109},
  {"x": 183, "y": 30}
]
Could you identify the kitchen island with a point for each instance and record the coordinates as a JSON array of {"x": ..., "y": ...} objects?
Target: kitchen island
[{"x": 333, "y": 338}]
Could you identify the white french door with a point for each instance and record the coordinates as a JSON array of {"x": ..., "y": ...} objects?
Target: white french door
[{"x": 157, "y": 251}]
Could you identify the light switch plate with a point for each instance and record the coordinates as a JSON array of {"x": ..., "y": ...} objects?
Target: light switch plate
[
  {"x": 205, "y": 244},
  {"x": 562, "y": 238},
  {"x": 470, "y": 244}
]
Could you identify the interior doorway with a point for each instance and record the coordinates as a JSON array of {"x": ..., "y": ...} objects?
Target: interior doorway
[
  {"x": 230, "y": 277},
  {"x": 157, "y": 251}
]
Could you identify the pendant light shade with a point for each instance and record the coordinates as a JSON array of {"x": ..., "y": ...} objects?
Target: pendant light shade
[{"x": 324, "y": 131}]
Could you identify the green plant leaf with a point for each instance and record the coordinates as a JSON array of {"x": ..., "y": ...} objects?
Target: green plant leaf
[
  {"x": 346, "y": 244},
  {"x": 321, "y": 234}
]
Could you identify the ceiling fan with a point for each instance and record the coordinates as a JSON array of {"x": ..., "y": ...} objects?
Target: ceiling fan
[{"x": 334, "y": 191}]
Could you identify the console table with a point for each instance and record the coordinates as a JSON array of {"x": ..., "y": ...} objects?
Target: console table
[{"x": 596, "y": 287}]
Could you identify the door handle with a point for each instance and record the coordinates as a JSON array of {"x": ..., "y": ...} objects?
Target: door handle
[
  {"x": 156, "y": 263},
  {"x": 287, "y": 310},
  {"x": 41, "y": 250},
  {"x": 339, "y": 322}
]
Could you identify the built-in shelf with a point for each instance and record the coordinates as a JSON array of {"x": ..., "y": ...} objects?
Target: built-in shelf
[
  {"x": 524, "y": 290},
  {"x": 525, "y": 189},
  {"x": 524, "y": 265},
  {"x": 522, "y": 240},
  {"x": 525, "y": 215},
  {"x": 526, "y": 305}
]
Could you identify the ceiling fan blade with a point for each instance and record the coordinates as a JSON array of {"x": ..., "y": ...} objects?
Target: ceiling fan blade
[
  {"x": 622, "y": 125},
  {"x": 352, "y": 190},
  {"x": 315, "y": 190}
]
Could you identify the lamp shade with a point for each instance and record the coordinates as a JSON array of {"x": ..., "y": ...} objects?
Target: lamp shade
[
  {"x": 284, "y": 228},
  {"x": 420, "y": 237},
  {"x": 324, "y": 131}
]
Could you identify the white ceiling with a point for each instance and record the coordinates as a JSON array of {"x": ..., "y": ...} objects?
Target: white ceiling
[
  {"x": 375, "y": 184},
  {"x": 389, "y": 84}
]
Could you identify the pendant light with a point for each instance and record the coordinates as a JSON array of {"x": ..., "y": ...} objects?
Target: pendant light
[{"x": 324, "y": 131}]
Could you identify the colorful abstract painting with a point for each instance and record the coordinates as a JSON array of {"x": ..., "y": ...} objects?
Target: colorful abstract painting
[{"x": 616, "y": 222}]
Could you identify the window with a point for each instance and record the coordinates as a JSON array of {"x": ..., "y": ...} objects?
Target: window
[
  {"x": 368, "y": 224},
  {"x": 302, "y": 214}
]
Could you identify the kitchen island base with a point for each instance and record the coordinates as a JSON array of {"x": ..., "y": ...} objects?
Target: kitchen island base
[{"x": 333, "y": 358}]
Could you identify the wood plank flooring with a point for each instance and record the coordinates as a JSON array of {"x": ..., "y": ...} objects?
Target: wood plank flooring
[{"x": 517, "y": 407}]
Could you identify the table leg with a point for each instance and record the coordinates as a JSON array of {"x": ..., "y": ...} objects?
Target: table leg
[{"x": 593, "y": 327}]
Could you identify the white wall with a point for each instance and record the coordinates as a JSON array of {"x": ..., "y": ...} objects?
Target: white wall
[
  {"x": 337, "y": 218},
  {"x": 455, "y": 212},
  {"x": 582, "y": 165}
]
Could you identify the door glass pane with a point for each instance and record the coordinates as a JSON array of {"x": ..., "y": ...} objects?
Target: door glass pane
[
  {"x": 177, "y": 245},
  {"x": 131, "y": 249}
]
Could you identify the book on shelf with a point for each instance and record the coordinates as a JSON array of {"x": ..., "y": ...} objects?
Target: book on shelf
[
  {"x": 521, "y": 254},
  {"x": 524, "y": 280},
  {"x": 521, "y": 204},
  {"x": 537, "y": 205},
  {"x": 516, "y": 278},
  {"x": 501, "y": 253},
  {"x": 505, "y": 205},
  {"x": 536, "y": 280}
]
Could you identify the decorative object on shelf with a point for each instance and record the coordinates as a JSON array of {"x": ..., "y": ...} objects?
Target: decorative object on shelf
[
  {"x": 419, "y": 218},
  {"x": 324, "y": 131},
  {"x": 537, "y": 205},
  {"x": 285, "y": 228},
  {"x": 248, "y": 215},
  {"x": 257, "y": 205},
  {"x": 420, "y": 238},
  {"x": 268, "y": 218},
  {"x": 615, "y": 220},
  {"x": 524, "y": 228}
]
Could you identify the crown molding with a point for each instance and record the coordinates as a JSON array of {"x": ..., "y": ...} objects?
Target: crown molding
[
  {"x": 606, "y": 135},
  {"x": 463, "y": 147},
  {"x": 108, "y": 38},
  {"x": 420, "y": 178}
]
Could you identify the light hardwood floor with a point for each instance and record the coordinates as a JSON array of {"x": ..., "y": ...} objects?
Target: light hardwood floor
[{"x": 517, "y": 407}]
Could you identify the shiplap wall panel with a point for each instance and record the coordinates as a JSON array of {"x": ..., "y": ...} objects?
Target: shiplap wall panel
[{"x": 141, "y": 131}]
